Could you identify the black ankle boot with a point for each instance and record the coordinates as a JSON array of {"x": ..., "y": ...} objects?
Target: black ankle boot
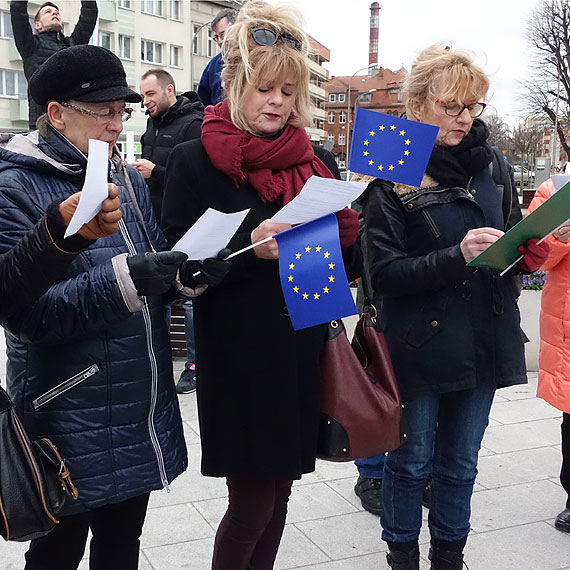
[
  {"x": 443, "y": 557},
  {"x": 398, "y": 560}
]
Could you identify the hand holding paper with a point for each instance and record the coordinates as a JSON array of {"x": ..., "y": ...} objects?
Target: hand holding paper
[{"x": 478, "y": 240}]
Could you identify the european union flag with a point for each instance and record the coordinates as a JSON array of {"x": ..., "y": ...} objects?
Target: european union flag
[
  {"x": 390, "y": 148},
  {"x": 312, "y": 273}
]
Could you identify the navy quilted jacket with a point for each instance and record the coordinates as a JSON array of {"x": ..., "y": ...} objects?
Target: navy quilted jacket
[{"x": 89, "y": 364}]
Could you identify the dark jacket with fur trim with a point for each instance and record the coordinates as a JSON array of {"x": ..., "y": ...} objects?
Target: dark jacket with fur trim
[
  {"x": 89, "y": 363},
  {"x": 448, "y": 327}
]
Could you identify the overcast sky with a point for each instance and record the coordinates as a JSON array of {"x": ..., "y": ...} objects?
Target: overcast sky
[{"x": 494, "y": 30}]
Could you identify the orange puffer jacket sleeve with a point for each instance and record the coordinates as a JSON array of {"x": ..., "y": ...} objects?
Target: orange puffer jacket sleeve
[{"x": 554, "y": 358}]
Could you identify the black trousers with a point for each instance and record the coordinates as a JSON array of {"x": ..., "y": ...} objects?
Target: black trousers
[
  {"x": 565, "y": 471},
  {"x": 115, "y": 544}
]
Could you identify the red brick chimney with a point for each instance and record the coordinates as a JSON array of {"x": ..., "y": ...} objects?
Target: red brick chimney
[{"x": 374, "y": 25}]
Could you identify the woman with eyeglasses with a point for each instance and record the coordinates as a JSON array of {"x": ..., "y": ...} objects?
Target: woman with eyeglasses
[
  {"x": 257, "y": 378},
  {"x": 453, "y": 332}
]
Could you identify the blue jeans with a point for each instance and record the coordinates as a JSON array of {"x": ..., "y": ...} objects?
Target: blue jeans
[
  {"x": 371, "y": 467},
  {"x": 189, "y": 333},
  {"x": 444, "y": 433}
]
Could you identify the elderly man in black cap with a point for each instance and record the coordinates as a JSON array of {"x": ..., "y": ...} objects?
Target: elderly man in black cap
[{"x": 89, "y": 363}]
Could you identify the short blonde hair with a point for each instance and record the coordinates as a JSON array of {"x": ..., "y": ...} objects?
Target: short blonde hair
[
  {"x": 248, "y": 65},
  {"x": 446, "y": 74}
]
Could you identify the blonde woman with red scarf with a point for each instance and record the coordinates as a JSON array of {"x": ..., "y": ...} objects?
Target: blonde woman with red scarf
[{"x": 258, "y": 379}]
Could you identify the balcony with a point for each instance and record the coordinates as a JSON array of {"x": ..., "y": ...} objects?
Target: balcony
[
  {"x": 107, "y": 11},
  {"x": 19, "y": 110}
]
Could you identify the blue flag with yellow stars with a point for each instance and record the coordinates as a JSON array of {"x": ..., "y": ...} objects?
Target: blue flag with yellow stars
[
  {"x": 312, "y": 274},
  {"x": 390, "y": 148}
]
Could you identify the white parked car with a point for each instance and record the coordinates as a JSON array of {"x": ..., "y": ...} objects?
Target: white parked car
[{"x": 528, "y": 175}]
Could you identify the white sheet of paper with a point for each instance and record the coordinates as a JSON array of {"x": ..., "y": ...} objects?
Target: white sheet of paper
[
  {"x": 559, "y": 180},
  {"x": 95, "y": 188},
  {"x": 130, "y": 157},
  {"x": 318, "y": 197},
  {"x": 211, "y": 233}
]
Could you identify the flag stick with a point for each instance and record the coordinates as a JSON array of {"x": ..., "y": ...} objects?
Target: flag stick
[{"x": 240, "y": 251}]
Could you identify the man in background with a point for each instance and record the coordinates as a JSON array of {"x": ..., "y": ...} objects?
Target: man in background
[
  {"x": 35, "y": 48},
  {"x": 210, "y": 89},
  {"x": 171, "y": 120}
]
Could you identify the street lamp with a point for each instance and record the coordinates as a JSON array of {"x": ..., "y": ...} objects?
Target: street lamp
[{"x": 348, "y": 110}]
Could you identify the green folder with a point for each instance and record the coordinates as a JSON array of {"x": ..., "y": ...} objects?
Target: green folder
[{"x": 540, "y": 223}]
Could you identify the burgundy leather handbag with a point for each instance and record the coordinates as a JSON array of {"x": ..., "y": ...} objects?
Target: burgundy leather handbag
[{"x": 360, "y": 403}]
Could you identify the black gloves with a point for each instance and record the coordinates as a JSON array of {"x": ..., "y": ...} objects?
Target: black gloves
[
  {"x": 211, "y": 271},
  {"x": 153, "y": 273}
]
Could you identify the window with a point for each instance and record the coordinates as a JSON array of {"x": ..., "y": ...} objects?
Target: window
[
  {"x": 330, "y": 138},
  {"x": 5, "y": 25},
  {"x": 175, "y": 10},
  {"x": 210, "y": 42},
  {"x": 151, "y": 52},
  {"x": 342, "y": 117},
  {"x": 12, "y": 84},
  {"x": 175, "y": 56},
  {"x": 106, "y": 40},
  {"x": 341, "y": 139},
  {"x": 341, "y": 97},
  {"x": 331, "y": 118},
  {"x": 153, "y": 7},
  {"x": 365, "y": 98},
  {"x": 125, "y": 47},
  {"x": 124, "y": 4},
  {"x": 332, "y": 97},
  {"x": 195, "y": 40}
]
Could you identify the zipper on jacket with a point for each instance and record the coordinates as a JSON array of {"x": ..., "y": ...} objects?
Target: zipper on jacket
[
  {"x": 64, "y": 386},
  {"x": 431, "y": 223},
  {"x": 154, "y": 370}
]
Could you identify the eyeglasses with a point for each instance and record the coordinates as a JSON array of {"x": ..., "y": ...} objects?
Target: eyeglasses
[
  {"x": 102, "y": 118},
  {"x": 454, "y": 109},
  {"x": 219, "y": 36},
  {"x": 266, "y": 37}
]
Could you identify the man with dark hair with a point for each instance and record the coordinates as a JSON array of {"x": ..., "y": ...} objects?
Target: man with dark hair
[
  {"x": 210, "y": 89},
  {"x": 35, "y": 48},
  {"x": 171, "y": 120}
]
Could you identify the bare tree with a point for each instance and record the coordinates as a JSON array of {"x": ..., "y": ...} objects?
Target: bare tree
[
  {"x": 499, "y": 132},
  {"x": 548, "y": 34}
]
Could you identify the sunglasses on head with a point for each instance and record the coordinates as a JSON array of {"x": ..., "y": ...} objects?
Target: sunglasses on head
[{"x": 266, "y": 37}]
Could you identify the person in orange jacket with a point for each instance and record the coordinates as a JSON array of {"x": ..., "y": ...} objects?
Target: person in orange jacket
[{"x": 554, "y": 358}]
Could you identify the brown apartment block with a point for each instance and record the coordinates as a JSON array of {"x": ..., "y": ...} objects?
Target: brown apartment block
[{"x": 381, "y": 92}]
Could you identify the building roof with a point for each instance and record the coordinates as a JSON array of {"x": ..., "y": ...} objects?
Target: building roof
[{"x": 383, "y": 79}]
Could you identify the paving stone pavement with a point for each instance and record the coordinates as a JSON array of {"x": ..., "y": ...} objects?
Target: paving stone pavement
[{"x": 516, "y": 498}]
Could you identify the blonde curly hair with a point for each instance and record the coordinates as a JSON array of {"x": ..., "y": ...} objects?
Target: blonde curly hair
[
  {"x": 446, "y": 74},
  {"x": 248, "y": 65}
]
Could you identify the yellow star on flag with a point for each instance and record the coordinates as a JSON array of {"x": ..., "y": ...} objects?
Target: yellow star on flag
[
  {"x": 380, "y": 167},
  {"x": 407, "y": 141},
  {"x": 381, "y": 127},
  {"x": 391, "y": 167},
  {"x": 291, "y": 266},
  {"x": 371, "y": 133},
  {"x": 366, "y": 143},
  {"x": 365, "y": 153},
  {"x": 318, "y": 249},
  {"x": 400, "y": 161},
  {"x": 407, "y": 152},
  {"x": 305, "y": 296},
  {"x": 295, "y": 289},
  {"x": 402, "y": 133},
  {"x": 326, "y": 289},
  {"x": 331, "y": 265},
  {"x": 393, "y": 128},
  {"x": 327, "y": 254},
  {"x": 317, "y": 296},
  {"x": 331, "y": 278},
  {"x": 290, "y": 278},
  {"x": 298, "y": 255},
  {"x": 308, "y": 249},
  {"x": 370, "y": 162}
]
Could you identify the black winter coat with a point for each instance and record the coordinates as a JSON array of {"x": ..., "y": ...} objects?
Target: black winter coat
[
  {"x": 448, "y": 327},
  {"x": 258, "y": 379},
  {"x": 36, "y": 48},
  {"x": 182, "y": 122}
]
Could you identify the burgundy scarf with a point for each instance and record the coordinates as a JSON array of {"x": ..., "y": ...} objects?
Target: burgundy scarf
[{"x": 275, "y": 168}]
